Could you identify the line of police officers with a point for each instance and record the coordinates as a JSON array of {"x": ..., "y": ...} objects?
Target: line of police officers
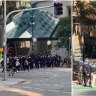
[{"x": 33, "y": 61}]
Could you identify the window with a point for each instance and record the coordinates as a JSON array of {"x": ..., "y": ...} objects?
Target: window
[{"x": 76, "y": 29}]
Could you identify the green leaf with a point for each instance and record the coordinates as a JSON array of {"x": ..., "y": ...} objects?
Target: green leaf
[{"x": 63, "y": 32}]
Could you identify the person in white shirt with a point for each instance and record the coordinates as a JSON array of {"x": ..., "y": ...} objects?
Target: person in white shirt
[
  {"x": 93, "y": 75},
  {"x": 17, "y": 64}
]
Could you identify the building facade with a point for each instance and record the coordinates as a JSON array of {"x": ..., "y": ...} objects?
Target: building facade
[
  {"x": 19, "y": 27},
  {"x": 84, "y": 28},
  {"x": 38, "y": 45},
  {"x": 66, "y": 13}
]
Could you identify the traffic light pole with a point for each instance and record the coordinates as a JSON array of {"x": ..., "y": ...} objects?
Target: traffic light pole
[{"x": 5, "y": 37}]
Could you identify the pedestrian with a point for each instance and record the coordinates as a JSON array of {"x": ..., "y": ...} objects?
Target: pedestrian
[
  {"x": 93, "y": 74},
  {"x": 23, "y": 63},
  {"x": 17, "y": 65},
  {"x": 2, "y": 65},
  {"x": 26, "y": 64},
  {"x": 87, "y": 70},
  {"x": 30, "y": 61}
]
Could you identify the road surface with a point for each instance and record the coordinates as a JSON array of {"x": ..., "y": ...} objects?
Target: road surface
[{"x": 40, "y": 82}]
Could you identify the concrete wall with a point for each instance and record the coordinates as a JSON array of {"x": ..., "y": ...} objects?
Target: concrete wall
[
  {"x": 77, "y": 47},
  {"x": 61, "y": 51}
]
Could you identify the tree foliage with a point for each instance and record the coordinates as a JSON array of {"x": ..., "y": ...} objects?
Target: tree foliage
[
  {"x": 63, "y": 32},
  {"x": 86, "y": 11}
]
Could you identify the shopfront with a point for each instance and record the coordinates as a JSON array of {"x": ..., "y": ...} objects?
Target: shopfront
[{"x": 90, "y": 47}]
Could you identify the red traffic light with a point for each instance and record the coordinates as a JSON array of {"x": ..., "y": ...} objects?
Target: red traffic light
[
  {"x": 58, "y": 8},
  {"x": 58, "y": 4}
]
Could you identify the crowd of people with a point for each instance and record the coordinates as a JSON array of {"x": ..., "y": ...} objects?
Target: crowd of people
[
  {"x": 87, "y": 73},
  {"x": 22, "y": 63}
]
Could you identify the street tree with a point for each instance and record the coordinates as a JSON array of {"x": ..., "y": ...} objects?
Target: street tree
[
  {"x": 63, "y": 32},
  {"x": 86, "y": 12},
  {"x": 86, "y": 15}
]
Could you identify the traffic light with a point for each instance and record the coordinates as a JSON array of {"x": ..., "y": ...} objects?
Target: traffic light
[{"x": 58, "y": 8}]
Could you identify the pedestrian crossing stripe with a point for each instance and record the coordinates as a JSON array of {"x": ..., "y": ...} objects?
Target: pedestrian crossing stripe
[{"x": 79, "y": 87}]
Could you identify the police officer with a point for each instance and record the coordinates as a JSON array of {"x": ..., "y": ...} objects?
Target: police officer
[
  {"x": 30, "y": 61},
  {"x": 86, "y": 73},
  {"x": 23, "y": 63}
]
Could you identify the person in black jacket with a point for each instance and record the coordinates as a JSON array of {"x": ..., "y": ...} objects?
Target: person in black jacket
[
  {"x": 87, "y": 70},
  {"x": 2, "y": 65}
]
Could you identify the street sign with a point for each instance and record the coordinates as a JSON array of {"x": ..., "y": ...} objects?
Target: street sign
[{"x": 1, "y": 49}]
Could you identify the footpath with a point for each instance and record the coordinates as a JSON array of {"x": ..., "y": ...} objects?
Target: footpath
[
  {"x": 7, "y": 87},
  {"x": 10, "y": 81},
  {"x": 78, "y": 87}
]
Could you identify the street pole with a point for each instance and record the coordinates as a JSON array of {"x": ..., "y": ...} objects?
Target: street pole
[
  {"x": 69, "y": 46},
  {"x": 84, "y": 48},
  {"x": 71, "y": 41},
  {"x": 4, "y": 43},
  {"x": 5, "y": 38},
  {"x": 32, "y": 23}
]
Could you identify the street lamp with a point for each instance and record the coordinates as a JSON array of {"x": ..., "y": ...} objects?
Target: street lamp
[
  {"x": 32, "y": 24},
  {"x": 5, "y": 38},
  {"x": 48, "y": 44}
]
